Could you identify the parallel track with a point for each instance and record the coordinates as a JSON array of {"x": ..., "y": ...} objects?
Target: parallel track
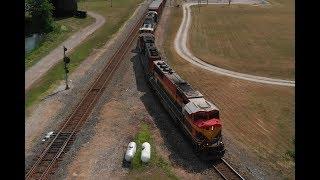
[
  {"x": 226, "y": 171},
  {"x": 63, "y": 139}
]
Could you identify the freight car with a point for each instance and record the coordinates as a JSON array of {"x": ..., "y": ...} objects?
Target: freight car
[
  {"x": 157, "y": 6},
  {"x": 198, "y": 117}
]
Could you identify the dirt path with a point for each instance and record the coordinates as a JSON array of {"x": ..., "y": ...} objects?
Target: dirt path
[
  {"x": 39, "y": 69},
  {"x": 180, "y": 45}
]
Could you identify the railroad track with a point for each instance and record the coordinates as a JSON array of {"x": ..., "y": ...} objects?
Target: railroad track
[
  {"x": 226, "y": 171},
  {"x": 61, "y": 142}
]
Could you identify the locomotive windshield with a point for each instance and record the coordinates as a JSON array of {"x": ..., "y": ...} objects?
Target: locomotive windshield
[
  {"x": 200, "y": 116},
  {"x": 148, "y": 21},
  {"x": 205, "y": 115}
]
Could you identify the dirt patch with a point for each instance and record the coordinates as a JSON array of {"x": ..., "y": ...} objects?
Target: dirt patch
[{"x": 101, "y": 156}]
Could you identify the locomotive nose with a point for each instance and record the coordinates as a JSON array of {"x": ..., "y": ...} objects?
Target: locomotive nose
[{"x": 210, "y": 124}]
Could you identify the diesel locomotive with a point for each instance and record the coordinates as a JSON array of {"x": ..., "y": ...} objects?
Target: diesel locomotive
[{"x": 197, "y": 117}]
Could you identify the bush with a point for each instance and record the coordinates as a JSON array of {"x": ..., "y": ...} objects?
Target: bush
[
  {"x": 291, "y": 153},
  {"x": 41, "y": 15}
]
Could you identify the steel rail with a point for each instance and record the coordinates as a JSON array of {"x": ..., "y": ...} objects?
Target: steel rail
[
  {"x": 231, "y": 172},
  {"x": 103, "y": 77}
]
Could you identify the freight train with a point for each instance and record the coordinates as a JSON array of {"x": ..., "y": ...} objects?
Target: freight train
[{"x": 197, "y": 117}]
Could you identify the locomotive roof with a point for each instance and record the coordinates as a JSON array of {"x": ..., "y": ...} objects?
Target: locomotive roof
[
  {"x": 147, "y": 27},
  {"x": 199, "y": 104},
  {"x": 152, "y": 13},
  {"x": 147, "y": 37},
  {"x": 155, "y": 4},
  {"x": 152, "y": 50},
  {"x": 183, "y": 86},
  {"x": 148, "y": 21}
]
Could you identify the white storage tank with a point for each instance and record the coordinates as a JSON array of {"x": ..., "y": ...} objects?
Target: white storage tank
[
  {"x": 131, "y": 150},
  {"x": 146, "y": 152}
]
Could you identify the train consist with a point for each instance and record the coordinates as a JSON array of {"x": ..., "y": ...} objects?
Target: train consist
[{"x": 198, "y": 117}]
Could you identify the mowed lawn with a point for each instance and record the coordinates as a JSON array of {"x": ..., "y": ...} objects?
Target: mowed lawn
[
  {"x": 115, "y": 16},
  {"x": 65, "y": 28},
  {"x": 258, "y": 40},
  {"x": 257, "y": 117}
]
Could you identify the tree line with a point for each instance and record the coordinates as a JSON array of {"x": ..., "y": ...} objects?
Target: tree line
[{"x": 38, "y": 16}]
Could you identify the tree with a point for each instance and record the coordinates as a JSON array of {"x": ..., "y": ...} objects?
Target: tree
[{"x": 41, "y": 14}]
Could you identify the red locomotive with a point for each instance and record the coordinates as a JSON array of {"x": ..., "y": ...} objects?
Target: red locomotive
[{"x": 198, "y": 117}]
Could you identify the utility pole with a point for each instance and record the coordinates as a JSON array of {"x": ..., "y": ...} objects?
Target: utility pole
[{"x": 66, "y": 61}]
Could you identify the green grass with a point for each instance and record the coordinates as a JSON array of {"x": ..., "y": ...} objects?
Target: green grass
[
  {"x": 115, "y": 18},
  {"x": 142, "y": 136},
  {"x": 54, "y": 38},
  {"x": 156, "y": 161},
  {"x": 243, "y": 38},
  {"x": 291, "y": 152}
]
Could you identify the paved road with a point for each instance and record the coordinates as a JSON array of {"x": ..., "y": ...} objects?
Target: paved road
[
  {"x": 35, "y": 72},
  {"x": 181, "y": 48}
]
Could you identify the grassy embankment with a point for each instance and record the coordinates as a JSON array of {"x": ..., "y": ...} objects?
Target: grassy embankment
[
  {"x": 115, "y": 18},
  {"x": 157, "y": 165},
  {"x": 65, "y": 28},
  {"x": 257, "y": 117},
  {"x": 249, "y": 39}
]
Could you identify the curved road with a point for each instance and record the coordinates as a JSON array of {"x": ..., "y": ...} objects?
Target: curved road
[
  {"x": 40, "y": 68},
  {"x": 181, "y": 48}
]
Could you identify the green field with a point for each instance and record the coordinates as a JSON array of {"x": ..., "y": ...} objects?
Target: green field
[
  {"x": 65, "y": 28},
  {"x": 115, "y": 18},
  {"x": 259, "y": 118},
  {"x": 250, "y": 39}
]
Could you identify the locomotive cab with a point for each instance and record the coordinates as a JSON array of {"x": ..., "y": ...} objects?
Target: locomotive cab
[
  {"x": 148, "y": 26},
  {"x": 204, "y": 117},
  {"x": 153, "y": 15}
]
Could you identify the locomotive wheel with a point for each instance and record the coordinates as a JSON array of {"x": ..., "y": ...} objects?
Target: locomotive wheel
[{"x": 196, "y": 149}]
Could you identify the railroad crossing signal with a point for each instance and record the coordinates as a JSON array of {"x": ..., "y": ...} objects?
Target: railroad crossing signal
[{"x": 66, "y": 61}]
